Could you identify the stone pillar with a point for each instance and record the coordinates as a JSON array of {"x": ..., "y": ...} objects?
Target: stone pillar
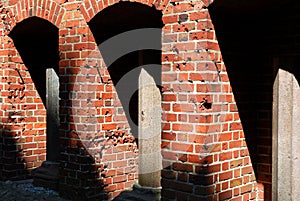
[
  {"x": 52, "y": 105},
  {"x": 150, "y": 159},
  {"x": 286, "y": 138},
  {"x": 48, "y": 174}
]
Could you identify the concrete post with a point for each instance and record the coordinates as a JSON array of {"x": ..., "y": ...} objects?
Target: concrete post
[
  {"x": 286, "y": 138},
  {"x": 296, "y": 141},
  {"x": 52, "y": 105},
  {"x": 48, "y": 174},
  {"x": 149, "y": 138},
  {"x": 150, "y": 159}
]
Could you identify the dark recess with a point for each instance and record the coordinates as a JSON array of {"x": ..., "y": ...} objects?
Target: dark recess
[
  {"x": 36, "y": 40},
  {"x": 251, "y": 40},
  {"x": 113, "y": 21}
]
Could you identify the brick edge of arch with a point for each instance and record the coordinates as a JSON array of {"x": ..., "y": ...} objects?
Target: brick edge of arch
[{"x": 49, "y": 10}]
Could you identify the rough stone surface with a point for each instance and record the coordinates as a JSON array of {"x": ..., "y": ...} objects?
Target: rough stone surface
[
  {"x": 139, "y": 193},
  {"x": 25, "y": 191}
]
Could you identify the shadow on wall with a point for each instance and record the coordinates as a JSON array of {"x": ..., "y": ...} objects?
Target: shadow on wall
[
  {"x": 123, "y": 65},
  {"x": 251, "y": 42},
  {"x": 12, "y": 162},
  {"x": 36, "y": 40},
  {"x": 37, "y": 43},
  {"x": 80, "y": 174},
  {"x": 250, "y": 69},
  {"x": 99, "y": 161}
]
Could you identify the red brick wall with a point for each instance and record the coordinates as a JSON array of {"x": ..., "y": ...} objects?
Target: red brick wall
[
  {"x": 249, "y": 59},
  {"x": 23, "y": 115},
  {"x": 204, "y": 151},
  {"x": 225, "y": 171},
  {"x": 250, "y": 71}
]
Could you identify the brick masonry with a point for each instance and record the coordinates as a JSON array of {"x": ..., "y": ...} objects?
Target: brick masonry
[{"x": 205, "y": 155}]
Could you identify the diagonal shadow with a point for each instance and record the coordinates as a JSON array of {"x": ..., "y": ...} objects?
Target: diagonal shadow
[{"x": 250, "y": 43}]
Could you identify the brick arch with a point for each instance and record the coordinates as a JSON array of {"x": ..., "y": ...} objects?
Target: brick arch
[
  {"x": 49, "y": 10},
  {"x": 12, "y": 2},
  {"x": 90, "y": 8}
]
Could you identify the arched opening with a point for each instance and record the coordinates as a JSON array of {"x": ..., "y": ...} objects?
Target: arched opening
[
  {"x": 251, "y": 36},
  {"x": 36, "y": 40},
  {"x": 113, "y": 21},
  {"x": 130, "y": 44},
  {"x": 250, "y": 72}
]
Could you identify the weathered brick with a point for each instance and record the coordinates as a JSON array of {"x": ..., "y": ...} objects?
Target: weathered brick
[{"x": 194, "y": 137}]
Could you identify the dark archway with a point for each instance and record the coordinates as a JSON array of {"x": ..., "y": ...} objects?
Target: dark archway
[
  {"x": 36, "y": 40},
  {"x": 251, "y": 36},
  {"x": 243, "y": 42},
  {"x": 114, "y": 21}
]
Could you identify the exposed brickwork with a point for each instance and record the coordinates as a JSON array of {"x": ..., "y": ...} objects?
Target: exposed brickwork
[
  {"x": 252, "y": 87},
  {"x": 23, "y": 119},
  {"x": 194, "y": 61},
  {"x": 205, "y": 156},
  {"x": 115, "y": 167}
]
